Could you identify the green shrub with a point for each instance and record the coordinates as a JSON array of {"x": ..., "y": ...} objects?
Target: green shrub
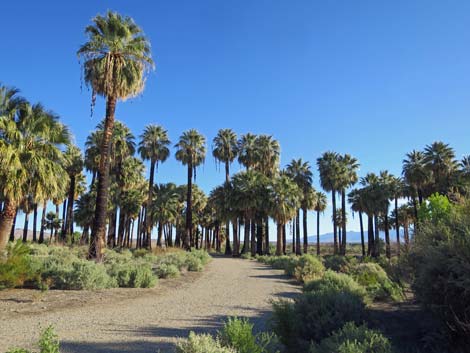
[
  {"x": 48, "y": 343},
  {"x": 177, "y": 259},
  {"x": 140, "y": 252},
  {"x": 193, "y": 263},
  {"x": 167, "y": 271},
  {"x": 308, "y": 268},
  {"x": 134, "y": 274},
  {"x": 238, "y": 334},
  {"x": 339, "y": 263},
  {"x": 201, "y": 344},
  {"x": 315, "y": 315},
  {"x": 376, "y": 282},
  {"x": 15, "y": 268},
  {"x": 246, "y": 256},
  {"x": 335, "y": 281},
  {"x": 353, "y": 339}
]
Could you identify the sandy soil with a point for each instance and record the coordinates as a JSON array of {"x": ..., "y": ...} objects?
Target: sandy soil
[{"x": 144, "y": 320}]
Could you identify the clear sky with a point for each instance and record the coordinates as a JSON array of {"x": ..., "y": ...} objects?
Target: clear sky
[{"x": 375, "y": 79}]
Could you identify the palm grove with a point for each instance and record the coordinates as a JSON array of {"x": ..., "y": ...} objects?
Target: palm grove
[{"x": 40, "y": 165}]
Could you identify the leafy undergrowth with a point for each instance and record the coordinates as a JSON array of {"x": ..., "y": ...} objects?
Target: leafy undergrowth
[{"x": 62, "y": 267}]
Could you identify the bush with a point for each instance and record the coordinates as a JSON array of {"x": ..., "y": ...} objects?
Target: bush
[
  {"x": 167, "y": 271},
  {"x": 135, "y": 274},
  {"x": 48, "y": 343},
  {"x": 376, "y": 282},
  {"x": 315, "y": 315},
  {"x": 308, "y": 268},
  {"x": 353, "y": 339},
  {"x": 338, "y": 282},
  {"x": 201, "y": 344},
  {"x": 339, "y": 263},
  {"x": 238, "y": 334},
  {"x": 15, "y": 268}
]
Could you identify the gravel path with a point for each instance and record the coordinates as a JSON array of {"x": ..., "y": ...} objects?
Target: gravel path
[{"x": 153, "y": 321}]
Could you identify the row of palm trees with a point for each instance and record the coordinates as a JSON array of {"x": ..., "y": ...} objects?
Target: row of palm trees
[{"x": 38, "y": 164}]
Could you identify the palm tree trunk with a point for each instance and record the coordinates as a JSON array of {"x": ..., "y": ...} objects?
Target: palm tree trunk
[
  {"x": 69, "y": 222},
  {"x": 397, "y": 226},
  {"x": 370, "y": 236},
  {"x": 13, "y": 226},
  {"x": 259, "y": 237},
  {"x": 387, "y": 238},
  {"x": 266, "y": 223},
  {"x": 6, "y": 219},
  {"x": 279, "y": 240},
  {"x": 160, "y": 233},
  {"x": 253, "y": 236},
  {"x": 148, "y": 220},
  {"x": 318, "y": 233},
  {"x": 131, "y": 235},
  {"x": 284, "y": 239},
  {"x": 304, "y": 223},
  {"x": 35, "y": 222},
  {"x": 343, "y": 217},
  {"x": 188, "y": 239},
  {"x": 246, "y": 230},
  {"x": 43, "y": 222},
  {"x": 112, "y": 228},
  {"x": 236, "y": 244},
  {"x": 56, "y": 230},
  {"x": 25, "y": 229},
  {"x": 64, "y": 214},
  {"x": 335, "y": 233},
  {"x": 377, "y": 235},
  {"x": 297, "y": 232},
  {"x": 121, "y": 227},
  {"x": 363, "y": 246}
]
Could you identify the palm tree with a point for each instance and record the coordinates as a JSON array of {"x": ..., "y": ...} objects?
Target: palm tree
[
  {"x": 355, "y": 198},
  {"x": 348, "y": 178},
  {"x": 30, "y": 141},
  {"x": 115, "y": 60},
  {"x": 301, "y": 174},
  {"x": 52, "y": 222},
  {"x": 439, "y": 159},
  {"x": 285, "y": 199},
  {"x": 319, "y": 206},
  {"x": 415, "y": 173},
  {"x": 73, "y": 165},
  {"x": 396, "y": 191},
  {"x": 247, "y": 151},
  {"x": 153, "y": 146},
  {"x": 225, "y": 150},
  {"x": 330, "y": 172},
  {"x": 191, "y": 151},
  {"x": 371, "y": 194}
]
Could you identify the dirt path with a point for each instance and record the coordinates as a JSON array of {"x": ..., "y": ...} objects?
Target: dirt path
[{"x": 153, "y": 319}]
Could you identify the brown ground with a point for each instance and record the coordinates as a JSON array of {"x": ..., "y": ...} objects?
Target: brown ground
[{"x": 144, "y": 320}]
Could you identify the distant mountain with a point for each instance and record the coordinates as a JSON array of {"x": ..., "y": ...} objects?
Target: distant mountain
[{"x": 352, "y": 237}]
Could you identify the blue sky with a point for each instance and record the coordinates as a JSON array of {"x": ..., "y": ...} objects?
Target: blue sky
[{"x": 375, "y": 79}]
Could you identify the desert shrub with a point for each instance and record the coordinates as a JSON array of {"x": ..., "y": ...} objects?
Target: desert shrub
[
  {"x": 48, "y": 343},
  {"x": 140, "y": 252},
  {"x": 315, "y": 315},
  {"x": 376, "y": 281},
  {"x": 335, "y": 281},
  {"x": 353, "y": 339},
  {"x": 202, "y": 255},
  {"x": 246, "y": 256},
  {"x": 308, "y": 268},
  {"x": 201, "y": 344},
  {"x": 133, "y": 274},
  {"x": 15, "y": 268},
  {"x": 167, "y": 271},
  {"x": 176, "y": 259},
  {"x": 238, "y": 334},
  {"x": 196, "y": 259},
  {"x": 339, "y": 263}
]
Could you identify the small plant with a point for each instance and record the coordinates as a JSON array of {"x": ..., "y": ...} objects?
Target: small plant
[
  {"x": 15, "y": 268},
  {"x": 167, "y": 271},
  {"x": 201, "y": 344},
  {"x": 353, "y": 339},
  {"x": 339, "y": 263},
  {"x": 48, "y": 343}
]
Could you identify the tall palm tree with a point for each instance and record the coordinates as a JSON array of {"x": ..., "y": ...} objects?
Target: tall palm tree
[
  {"x": 319, "y": 206},
  {"x": 29, "y": 156},
  {"x": 415, "y": 173},
  {"x": 247, "y": 150},
  {"x": 191, "y": 151},
  {"x": 348, "y": 177},
  {"x": 153, "y": 146},
  {"x": 439, "y": 159},
  {"x": 225, "y": 150},
  {"x": 330, "y": 172},
  {"x": 285, "y": 199},
  {"x": 371, "y": 196},
  {"x": 355, "y": 198},
  {"x": 115, "y": 60},
  {"x": 73, "y": 165},
  {"x": 396, "y": 191},
  {"x": 301, "y": 174}
]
